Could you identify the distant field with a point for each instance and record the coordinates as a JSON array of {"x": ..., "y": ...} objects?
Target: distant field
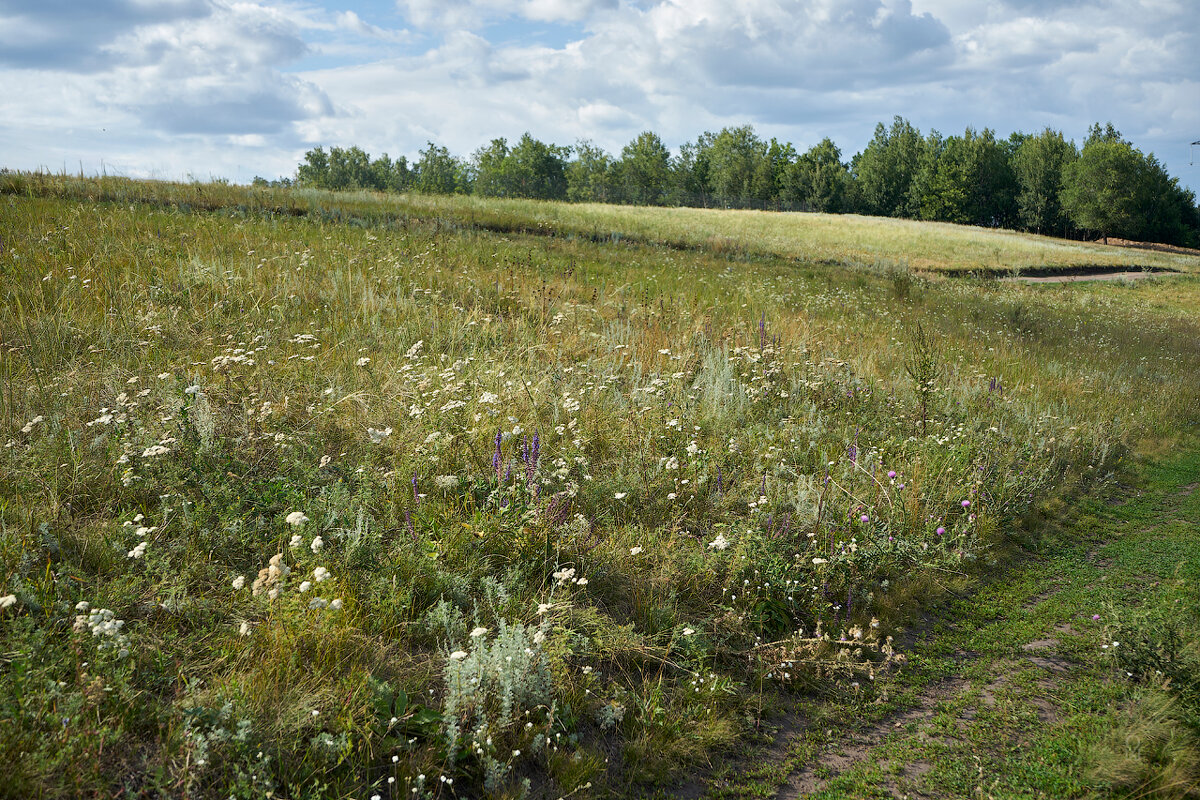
[
  {"x": 848, "y": 239},
  {"x": 314, "y": 495},
  {"x": 845, "y": 238}
]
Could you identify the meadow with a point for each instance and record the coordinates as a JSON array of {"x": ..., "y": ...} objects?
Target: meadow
[{"x": 316, "y": 495}]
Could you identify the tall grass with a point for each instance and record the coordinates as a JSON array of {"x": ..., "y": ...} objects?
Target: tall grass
[{"x": 668, "y": 483}]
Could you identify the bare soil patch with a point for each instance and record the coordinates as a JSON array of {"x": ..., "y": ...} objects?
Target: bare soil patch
[
  {"x": 1094, "y": 276},
  {"x": 1112, "y": 241}
]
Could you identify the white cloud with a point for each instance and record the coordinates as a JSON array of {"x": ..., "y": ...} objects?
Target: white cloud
[
  {"x": 474, "y": 14},
  {"x": 216, "y": 85}
]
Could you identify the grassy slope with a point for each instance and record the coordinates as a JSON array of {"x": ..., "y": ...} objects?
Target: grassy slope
[
  {"x": 1016, "y": 690},
  {"x": 842, "y": 238},
  {"x": 660, "y": 348},
  {"x": 846, "y": 239}
]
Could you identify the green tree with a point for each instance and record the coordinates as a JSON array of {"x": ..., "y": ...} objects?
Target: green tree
[
  {"x": 314, "y": 171},
  {"x": 438, "y": 172},
  {"x": 491, "y": 179},
  {"x": 1038, "y": 163},
  {"x": 591, "y": 175},
  {"x": 538, "y": 170},
  {"x": 884, "y": 171},
  {"x": 691, "y": 172},
  {"x": 1101, "y": 191},
  {"x": 733, "y": 160},
  {"x": 965, "y": 179},
  {"x": 645, "y": 169},
  {"x": 771, "y": 171},
  {"x": 818, "y": 179}
]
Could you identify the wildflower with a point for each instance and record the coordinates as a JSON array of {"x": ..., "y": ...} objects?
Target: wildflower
[
  {"x": 239, "y": 582},
  {"x": 719, "y": 543},
  {"x": 28, "y": 428},
  {"x": 362, "y": 362},
  {"x": 155, "y": 450},
  {"x": 317, "y": 603},
  {"x": 316, "y": 545},
  {"x": 688, "y": 631},
  {"x": 105, "y": 418},
  {"x": 193, "y": 389},
  {"x": 820, "y": 561},
  {"x": 296, "y": 519},
  {"x": 336, "y": 604},
  {"x": 305, "y": 586},
  {"x": 633, "y": 551},
  {"x": 138, "y": 551},
  {"x": 891, "y": 473},
  {"x": 489, "y": 397},
  {"x": 320, "y": 574},
  {"x": 621, "y": 495},
  {"x": 8, "y": 601},
  {"x": 244, "y": 630},
  {"x": 864, "y": 518},
  {"x": 1095, "y": 617},
  {"x": 445, "y": 482},
  {"x": 377, "y": 435},
  {"x": 544, "y": 608},
  {"x": 325, "y": 461},
  {"x": 966, "y": 503},
  {"x": 458, "y": 655},
  {"x": 295, "y": 541},
  {"x": 941, "y": 531},
  {"x": 480, "y": 631}
]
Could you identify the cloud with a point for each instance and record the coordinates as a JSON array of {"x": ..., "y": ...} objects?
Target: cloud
[
  {"x": 475, "y": 14},
  {"x": 212, "y": 84},
  {"x": 74, "y": 36},
  {"x": 214, "y": 72}
]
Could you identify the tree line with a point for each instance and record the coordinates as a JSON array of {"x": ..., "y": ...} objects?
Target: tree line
[{"x": 1037, "y": 182}]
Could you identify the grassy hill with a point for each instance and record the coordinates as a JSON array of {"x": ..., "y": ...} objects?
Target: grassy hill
[
  {"x": 334, "y": 496},
  {"x": 845, "y": 239}
]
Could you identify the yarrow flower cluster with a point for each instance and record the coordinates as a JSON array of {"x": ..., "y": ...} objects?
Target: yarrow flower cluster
[{"x": 103, "y": 625}]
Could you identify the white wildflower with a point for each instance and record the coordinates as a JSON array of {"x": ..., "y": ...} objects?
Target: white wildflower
[
  {"x": 480, "y": 631},
  {"x": 316, "y": 545},
  {"x": 378, "y": 435},
  {"x": 719, "y": 543},
  {"x": 458, "y": 655},
  {"x": 8, "y": 601},
  {"x": 296, "y": 519},
  {"x": 239, "y": 582},
  {"x": 320, "y": 574}
]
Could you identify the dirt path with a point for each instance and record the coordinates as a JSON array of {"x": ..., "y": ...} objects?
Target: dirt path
[
  {"x": 1096, "y": 276},
  {"x": 993, "y": 702}
]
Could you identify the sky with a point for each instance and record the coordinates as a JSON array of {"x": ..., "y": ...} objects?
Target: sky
[{"x": 200, "y": 89}]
